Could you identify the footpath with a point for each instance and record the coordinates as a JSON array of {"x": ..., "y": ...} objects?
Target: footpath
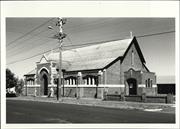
[{"x": 151, "y": 107}]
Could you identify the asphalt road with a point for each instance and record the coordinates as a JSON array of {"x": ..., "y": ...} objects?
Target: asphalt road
[{"x": 19, "y": 111}]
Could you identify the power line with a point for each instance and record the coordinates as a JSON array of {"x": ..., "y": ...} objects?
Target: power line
[
  {"x": 89, "y": 24},
  {"x": 15, "y": 52},
  {"x": 30, "y": 38},
  {"x": 32, "y": 56},
  {"x": 10, "y": 43},
  {"x": 18, "y": 50},
  {"x": 160, "y": 33},
  {"x": 140, "y": 36}
]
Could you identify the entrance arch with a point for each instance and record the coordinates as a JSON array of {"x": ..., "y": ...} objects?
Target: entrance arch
[
  {"x": 45, "y": 84},
  {"x": 132, "y": 83},
  {"x": 44, "y": 81}
]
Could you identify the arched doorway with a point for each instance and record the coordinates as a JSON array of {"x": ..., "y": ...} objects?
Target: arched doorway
[
  {"x": 45, "y": 84},
  {"x": 132, "y": 83}
]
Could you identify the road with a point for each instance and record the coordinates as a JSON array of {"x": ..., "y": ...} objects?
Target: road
[{"x": 19, "y": 111}]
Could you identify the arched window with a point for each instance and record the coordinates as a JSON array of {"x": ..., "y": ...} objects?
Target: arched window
[
  {"x": 71, "y": 80},
  {"x": 149, "y": 83},
  {"x": 90, "y": 80},
  {"x": 132, "y": 58},
  {"x": 146, "y": 83},
  {"x": 30, "y": 82}
]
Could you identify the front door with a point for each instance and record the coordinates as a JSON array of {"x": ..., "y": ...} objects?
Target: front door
[
  {"x": 132, "y": 83},
  {"x": 45, "y": 83}
]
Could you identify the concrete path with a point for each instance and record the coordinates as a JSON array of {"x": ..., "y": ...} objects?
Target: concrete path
[{"x": 150, "y": 107}]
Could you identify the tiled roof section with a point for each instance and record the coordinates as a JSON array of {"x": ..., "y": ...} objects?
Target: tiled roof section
[
  {"x": 91, "y": 57},
  {"x": 31, "y": 72}
]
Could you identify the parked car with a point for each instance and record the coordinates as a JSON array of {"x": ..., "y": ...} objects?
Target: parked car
[{"x": 10, "y": 92}]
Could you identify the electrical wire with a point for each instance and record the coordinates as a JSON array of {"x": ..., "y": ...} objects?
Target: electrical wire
[
  {"x": 140, "y": 36},
  {"x": 12, "y": 42},
  {"x": 30, "y": 47},
  {"x": 15, "y": 46}
]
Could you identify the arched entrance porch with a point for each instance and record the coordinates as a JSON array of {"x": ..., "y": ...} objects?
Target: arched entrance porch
[
  {"x": 132, "y": 85},
  {"x": 44, "y": 82}
]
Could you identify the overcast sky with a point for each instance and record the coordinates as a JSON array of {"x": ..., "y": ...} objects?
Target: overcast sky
[{"x": 26, "y": 37}]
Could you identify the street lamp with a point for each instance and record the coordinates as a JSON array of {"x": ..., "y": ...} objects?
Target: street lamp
[{"x": 78, "y": 82}]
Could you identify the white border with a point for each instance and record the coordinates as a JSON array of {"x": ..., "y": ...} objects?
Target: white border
[{"x": 87, "y": 9}]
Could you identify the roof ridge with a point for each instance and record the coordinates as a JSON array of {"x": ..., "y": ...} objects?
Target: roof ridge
[{"x": 99, "y": 43}]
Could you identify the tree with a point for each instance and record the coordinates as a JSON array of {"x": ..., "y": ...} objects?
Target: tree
[
  {"x": 11, "y": 80},
  {"x": 19, "y": 87}
]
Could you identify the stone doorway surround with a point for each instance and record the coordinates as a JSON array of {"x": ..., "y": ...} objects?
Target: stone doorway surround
[
  {"x": 44, "y": 81},
  {"x": 132, "y": 79}
]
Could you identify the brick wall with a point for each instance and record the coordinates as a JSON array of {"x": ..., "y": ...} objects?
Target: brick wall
[
  {"x": 70, "y": 92},
  {"x": 148, "y": 90},
  {"x": 126, "y": 64},
  {"x": 115, "y": 90},
  {"x": 113, "y": 73},
  {"x": 89, "y": 92},
  {"x": 148, "y": 75},
  {"x": 31, "y": 91}
]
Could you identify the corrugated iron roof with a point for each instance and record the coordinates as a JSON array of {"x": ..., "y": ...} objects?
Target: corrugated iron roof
[
  {"x": 31, "y": 72},
  {"x": 91, "y": 57}
]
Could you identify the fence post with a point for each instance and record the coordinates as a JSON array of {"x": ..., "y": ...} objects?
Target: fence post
[
  {"x": 104, "y": 95},
  {"x": 169, "y": 98},
  {"x": 144, "y": 97},
  {"x": 122, "y": 97}
]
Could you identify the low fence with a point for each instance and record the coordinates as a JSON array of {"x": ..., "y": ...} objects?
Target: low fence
[{"x": 141, "y": 98}]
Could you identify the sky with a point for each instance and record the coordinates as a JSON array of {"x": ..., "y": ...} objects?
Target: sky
[{"x": 27, "y": 37}]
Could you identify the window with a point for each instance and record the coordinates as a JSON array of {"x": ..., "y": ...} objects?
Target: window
[
  {"x": 89, "y": 80},
  {"x": 30, "y": 82},
  {"x": 146, "y": 83},
  {"x": 149, "y": 83},
  {"x": 70, "y": 80},
  {"x": 132, "y": 58}
]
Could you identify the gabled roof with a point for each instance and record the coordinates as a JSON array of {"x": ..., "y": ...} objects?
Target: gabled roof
[
  {"x": 138, "y": 50},
  {"x": 92, "y": 57},
  {"x": 43, "y": 59},
  {"x": 32, "y": 72}
]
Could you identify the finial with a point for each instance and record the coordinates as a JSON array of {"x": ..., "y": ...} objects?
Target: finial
[
  {"x": 51, "y": 50},
  {"x": 131, "y": 35}
]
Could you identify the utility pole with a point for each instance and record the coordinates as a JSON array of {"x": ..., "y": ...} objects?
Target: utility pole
[{"x": 60, "y": 36}]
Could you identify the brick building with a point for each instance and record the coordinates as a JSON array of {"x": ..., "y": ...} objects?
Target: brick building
[{"x": 115, "y": 67}]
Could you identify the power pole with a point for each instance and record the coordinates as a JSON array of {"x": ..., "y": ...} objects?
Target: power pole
[{"x": 60, "y": 36}]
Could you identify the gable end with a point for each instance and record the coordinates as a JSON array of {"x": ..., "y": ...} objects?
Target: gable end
[{"x": 134, "y": 41}]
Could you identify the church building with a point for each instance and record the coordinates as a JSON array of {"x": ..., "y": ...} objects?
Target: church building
[{"x": 115, "y": 67}]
